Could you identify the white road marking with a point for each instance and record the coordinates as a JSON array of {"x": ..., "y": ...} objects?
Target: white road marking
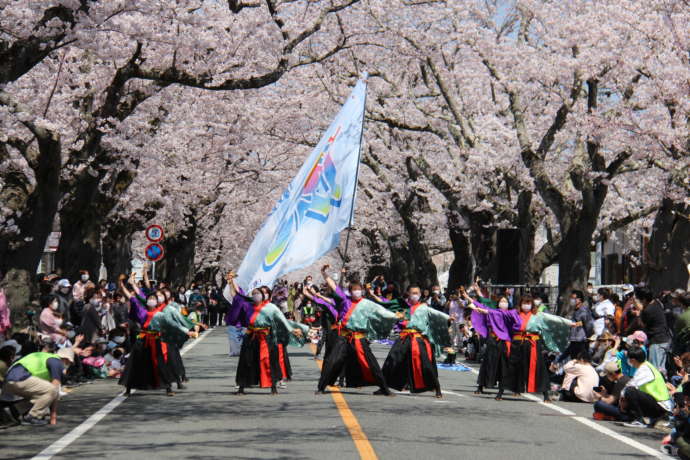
[
  {"x": 624, "y": 439},
  {"x": 57, "y": 447},
  {"x": 453, "y": 393},
  {"x": 596, "y": 426}
]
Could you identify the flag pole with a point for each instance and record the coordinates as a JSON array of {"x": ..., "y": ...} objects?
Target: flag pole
[{"x": 359, "y": 158}]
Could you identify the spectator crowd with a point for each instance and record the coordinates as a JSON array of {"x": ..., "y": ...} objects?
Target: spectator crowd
[{"x": 628, "y": 352}]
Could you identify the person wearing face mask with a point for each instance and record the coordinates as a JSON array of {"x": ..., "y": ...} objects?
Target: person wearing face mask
[
  {"x": 582, "y": 327},
  {"x": 328, "y": 319},
  {"x": 149, "y": 365},
  {"x": 283, "y": 355},
  {"x": 63, "y": 291},
  {"x": 92, "y": 323},
  {"x": 260, "y": 362},
  {"x": 361, "y": 320},
  {"x": 50, "y": 321},
  {"x": 497, "y": 327},
  {"x": 538, "y": 332},
  {"x": 174, "y": 328},
  {"x": 411, "y": 361},
  {"x": 602, "y": 308},
  {"x": 81, "y": 286},
  {"x": 437, "y": 300}
]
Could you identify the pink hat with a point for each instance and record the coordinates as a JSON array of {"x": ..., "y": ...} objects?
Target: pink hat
[{"x": 637, "y": 335}]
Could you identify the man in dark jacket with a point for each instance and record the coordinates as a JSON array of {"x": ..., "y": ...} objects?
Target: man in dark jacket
[
  {"x": 653, "y": 319},
  {"x": 63, "y": 294},
  {"x": 581, "y": 329}
]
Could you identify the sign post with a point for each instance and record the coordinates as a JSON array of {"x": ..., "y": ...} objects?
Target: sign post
[{"x": 154, "y": 251}]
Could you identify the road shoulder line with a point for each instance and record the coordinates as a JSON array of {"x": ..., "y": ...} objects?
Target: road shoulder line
[{"x": 59, "y": 445}]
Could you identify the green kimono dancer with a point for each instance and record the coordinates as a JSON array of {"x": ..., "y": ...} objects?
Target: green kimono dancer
[
  {"x": 361, "y": 320},
  {"x": 411, "y": 362},
  {"x": 259, "y": 362}
]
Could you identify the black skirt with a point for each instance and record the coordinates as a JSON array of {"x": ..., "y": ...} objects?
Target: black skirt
[
  {"x": 176, "y": 363},
  {"x": 355, "y": 356},
  {"x": 148, "y": 366},
  {"x": 330, "y": 337},
  {"x": 284, "y": 357},
  {"x": 494, "y": 365},
  {"x": 259, "y": 362},
  {"x": 527, "y": 371},
  {"x": 411, "y": 363}
]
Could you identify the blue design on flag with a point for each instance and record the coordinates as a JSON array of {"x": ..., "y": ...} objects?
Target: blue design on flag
[{"x": 316, "y": 206}]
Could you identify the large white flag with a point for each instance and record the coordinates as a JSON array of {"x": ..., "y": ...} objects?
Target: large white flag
[{"x": 317, "y": 205}]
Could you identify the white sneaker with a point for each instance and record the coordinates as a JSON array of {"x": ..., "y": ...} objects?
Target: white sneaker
[{"x": 635, "y": 424}]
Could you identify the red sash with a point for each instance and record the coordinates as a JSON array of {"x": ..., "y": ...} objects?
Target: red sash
[
  {"x": 257, "y": 310},
  {"x": 349, "y": 313},
  {"x": 265, "y": 379},
  {"x": 281, "y": 358},
  {"x": 417, "y": 374},
  {"x": 150, "y": 341},
  {"x": 532, "y": 376}
]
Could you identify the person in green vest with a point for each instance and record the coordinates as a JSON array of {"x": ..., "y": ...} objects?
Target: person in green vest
[
  {"x": 645, "y": 396},
  {"x": 37, "y": 377}
]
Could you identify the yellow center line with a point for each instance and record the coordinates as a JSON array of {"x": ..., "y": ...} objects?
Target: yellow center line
[{"x": 364, "y": 447}]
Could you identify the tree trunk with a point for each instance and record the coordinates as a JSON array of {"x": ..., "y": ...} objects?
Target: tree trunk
[
  {"x": 483, "y": 244},
  {"x": 80, "y": 240},
  {"x": 83, "y": 217},
  {"x": 527, "y": 228},
  {"x": 461, "y": 271},
  {"x": 117, "y": 251},
  {"x": 19, "y": 259},
  {"x": 178, "y": 265},
  {"x": 669, "y": 248},
  {"x": 574, "y": 260}
]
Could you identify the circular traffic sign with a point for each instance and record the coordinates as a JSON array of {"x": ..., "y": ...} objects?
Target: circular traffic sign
[
  {"x": 154, "y": 233},
  {"x": 154, "y": 252}
]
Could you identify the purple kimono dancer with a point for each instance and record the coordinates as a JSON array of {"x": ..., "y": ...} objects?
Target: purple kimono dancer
[
  {"x": 503, "y": 323},
  {"x": 240, "y": 311},
  {"x": 497, "y": 326},
  {"x": 137, "y": 311},
  {"x": 236, "y": 318},
  {"x": 327, "y": 306},
  {"x": 343, "y": 303}
]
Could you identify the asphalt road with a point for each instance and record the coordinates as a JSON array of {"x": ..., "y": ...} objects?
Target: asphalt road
[{"x": 208, "y": 421}]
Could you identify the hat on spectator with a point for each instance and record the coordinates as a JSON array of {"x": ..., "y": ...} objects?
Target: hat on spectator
[
  {"x": 66, "y": 353},
  {"x": 612, "y": 367},
  {"x": 111, "y": 287},
  {"x": 606, "y": 335},
  {"x": 64, "y": 283},
  {"x": 12, "y": 343},
  {"x": 637, "y": 335}
]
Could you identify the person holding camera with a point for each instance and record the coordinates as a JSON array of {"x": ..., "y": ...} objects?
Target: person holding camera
[{"x": 608, "y": 394}]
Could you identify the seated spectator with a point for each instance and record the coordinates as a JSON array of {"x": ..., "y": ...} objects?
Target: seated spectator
[
  {"x": 579, "y": 380},
  {"x": 50, "y": 321},
  {"x": 680, "y": 436},
  {"x": 605, "y": 349},
  {"x": 608, "y": 394},
  {"x": 646, "y": 394},
  {"x": 637, "y": 339},
  {"x": 37, "y": 377},
  {"x": 114, "y": 363}
]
